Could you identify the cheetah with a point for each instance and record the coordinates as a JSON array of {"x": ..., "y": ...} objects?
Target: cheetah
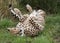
[{"x": 32, "y": 25}]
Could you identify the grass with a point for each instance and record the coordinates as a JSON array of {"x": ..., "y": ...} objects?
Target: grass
[
  {"x": 4, "y": 23},
  {"x": 49, "y": 34}
]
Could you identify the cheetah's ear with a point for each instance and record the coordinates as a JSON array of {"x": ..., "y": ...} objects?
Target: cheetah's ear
[{"x": 29, "y": 8}]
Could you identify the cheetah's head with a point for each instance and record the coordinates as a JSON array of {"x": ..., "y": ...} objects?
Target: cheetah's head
[{"x": 16, "y": 31}]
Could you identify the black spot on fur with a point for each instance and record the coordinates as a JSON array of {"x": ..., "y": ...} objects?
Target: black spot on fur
[{"x": 10, "y": 5}]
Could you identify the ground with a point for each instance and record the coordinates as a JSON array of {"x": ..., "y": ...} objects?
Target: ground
[{"x": 50, "y": 34}]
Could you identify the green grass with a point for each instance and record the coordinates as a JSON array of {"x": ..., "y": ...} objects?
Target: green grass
[
  {"x": 4, "y": 23},
  {"x": 47, "y": 36}
]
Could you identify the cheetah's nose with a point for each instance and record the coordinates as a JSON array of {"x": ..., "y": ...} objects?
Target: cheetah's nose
[{"x": 8, "y": 30}]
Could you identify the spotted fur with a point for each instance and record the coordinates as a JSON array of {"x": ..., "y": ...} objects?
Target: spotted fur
[{"x": 32, "y": 25}]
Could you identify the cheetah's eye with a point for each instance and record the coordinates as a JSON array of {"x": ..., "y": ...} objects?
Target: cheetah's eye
[{"x": 20, "y": 30}]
